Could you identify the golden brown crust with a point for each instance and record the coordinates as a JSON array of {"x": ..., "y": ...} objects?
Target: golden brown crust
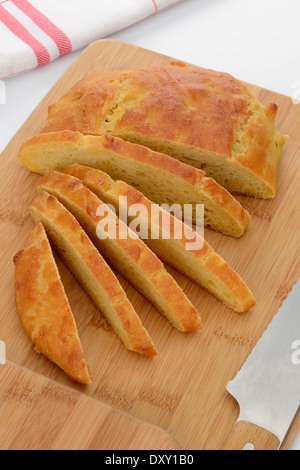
[
  {"x": 43, "y": 307},
  {"x": 186, "y": 105},
  {"x": 158, "y": 160},
  {"x": 46, "y": 207},
  {"x": 141, "y": 262},
  {"x": 32, "y": 150},
  {"x": 191, "y": 175},
  {"x": 87, "y": 103},
  {"x": 66, "y": 187},
  {"x": 172, "y": 112},
  {"x": 224, "y": 199},
  {"x": 95, "y": 179},
  {"x": 271, "y": 110},
  {"x": 101, "y": 183},
  {"x": 219, "y": 268}
]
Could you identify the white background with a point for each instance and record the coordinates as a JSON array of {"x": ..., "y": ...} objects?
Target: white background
[{"x": 255, "y": 40}]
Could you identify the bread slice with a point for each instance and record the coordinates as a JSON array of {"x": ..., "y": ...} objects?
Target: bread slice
[
  {"x": 201, "y": 117},
  {"x": 124, "y": 250},
  {"x": 158, "y": 176},
  {"x": 179, "y": 249},
  {"x": 43, "y": 307},
  {"x": 95, "y": 276}
]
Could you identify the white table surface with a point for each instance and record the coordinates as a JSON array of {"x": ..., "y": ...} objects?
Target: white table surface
[{"x": 255, "y": 40}]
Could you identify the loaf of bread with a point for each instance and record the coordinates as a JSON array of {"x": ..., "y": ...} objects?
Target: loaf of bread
[
  {"x": 204, "y": 118},
  {"x": 178, "y": 248},
  {"x": 123, "y": 250},
  {"x": 157, "y": 176},
  {"x": 90, "y": 269},
  {"x": 43, "y": 307}
]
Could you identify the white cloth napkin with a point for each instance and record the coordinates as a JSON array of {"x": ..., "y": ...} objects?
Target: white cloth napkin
[{"x": 35, "y": 32}]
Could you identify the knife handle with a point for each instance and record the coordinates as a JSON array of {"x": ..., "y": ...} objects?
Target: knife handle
[{"x": 247, "y": 436}]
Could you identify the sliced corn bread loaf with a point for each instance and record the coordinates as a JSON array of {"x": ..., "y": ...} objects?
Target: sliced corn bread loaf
[
  {"x": 158, "y": 176},
  {"x": 201, "y": 117},
  {"x": 124, "y": 250},
  {"x": 202, "y": 264},
  {"x": 95, "y": 276},
  {"x": 43, "y": 307}
]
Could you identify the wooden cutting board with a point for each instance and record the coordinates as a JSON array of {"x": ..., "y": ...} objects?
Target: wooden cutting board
[
  {"x": 38, "y": 414},
  {"x": 183, "y": 389}
]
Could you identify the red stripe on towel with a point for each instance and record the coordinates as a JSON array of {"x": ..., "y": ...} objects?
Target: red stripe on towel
[
  {"x": 41, "y": 53},
  {"x": 59, "y": 37},
  {"x": 156, "y": 8}
]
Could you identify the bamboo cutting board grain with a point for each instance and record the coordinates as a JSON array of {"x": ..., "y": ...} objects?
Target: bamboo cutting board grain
[
  {"x": 38, "y": 414},
  {"x": 183, "y": 389}
]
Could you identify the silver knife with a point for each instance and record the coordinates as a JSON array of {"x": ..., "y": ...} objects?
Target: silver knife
[{"x": 267, "y": 387}]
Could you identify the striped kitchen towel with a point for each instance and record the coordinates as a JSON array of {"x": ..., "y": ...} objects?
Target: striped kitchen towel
[{"x": 35, "y": 32}]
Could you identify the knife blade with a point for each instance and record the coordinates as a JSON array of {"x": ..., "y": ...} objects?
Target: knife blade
[{"x": 267, "y": 387}]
